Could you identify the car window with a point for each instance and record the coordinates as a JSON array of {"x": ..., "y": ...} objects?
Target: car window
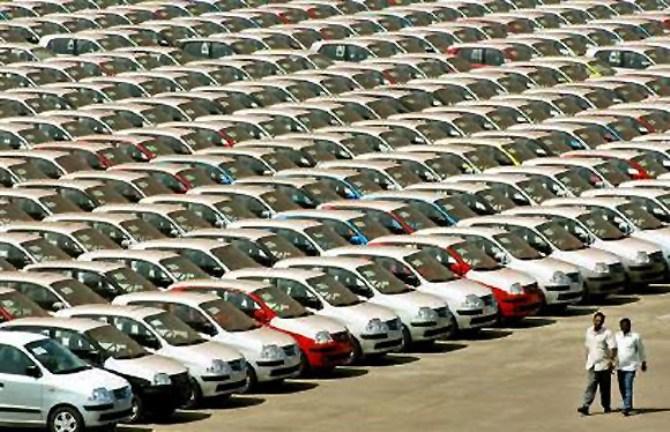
[
  {"x": 13, "y": 361},
  {"x": 39, "y": 294},
  {"x": 14, "y": 255}
]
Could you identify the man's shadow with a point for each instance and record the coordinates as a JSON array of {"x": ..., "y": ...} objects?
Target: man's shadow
[{"x": 643, "y": 411}]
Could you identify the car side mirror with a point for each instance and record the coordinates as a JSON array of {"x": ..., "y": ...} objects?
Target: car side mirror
[
  {"x": 33, "y": 371},
  {"x": 125, "y": 243},
  {"x": 58, "y": 306},
  {"x": 261, "y": 315},
  {"x": 358, "y": 240}
]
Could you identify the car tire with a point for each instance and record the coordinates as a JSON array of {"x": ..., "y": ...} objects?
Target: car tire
[
  {"x": 406, "y": 339},
  {"x": 356, "y": 352},
  {"x": 453, "y": 328},
  {"x": 252, "y": 379},
  {"x": 137, "y": 408},
  {"x": 65, "y": 419},
  {"x": 305, "y": 367},
  {"x": 196, "y": 395}
]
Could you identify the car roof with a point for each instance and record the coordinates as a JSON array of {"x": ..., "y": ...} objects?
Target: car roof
[
  {"x": 16, "y": 338},
  {"x": 77, "y": 324},
  {"x": 247, "y": 286},
  {"x": 136, "y": 312}
]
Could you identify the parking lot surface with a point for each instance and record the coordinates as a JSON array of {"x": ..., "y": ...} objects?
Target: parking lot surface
[{"x": 527, "y": 378}]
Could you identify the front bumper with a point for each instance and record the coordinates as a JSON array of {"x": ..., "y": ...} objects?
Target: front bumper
[
  {"x": 381, "y": 343},
  {"x": 330, "y": 355},
  {"x": 519, "y": 306},
  {"x": 654, "y": 272},
  {"x": 275, "y": 370},
  {"x": 212, "y": 386},
  {"x": 609, "y": 283},
  {"x": 157, "y": 398},
  {"x": 100, "y": 415}
]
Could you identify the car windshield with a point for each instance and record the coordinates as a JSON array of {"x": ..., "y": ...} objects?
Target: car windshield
[
  {"x": 42, "y": 251},
  {"x": 188, "y": 220},
  {"x": 559, "y": 236},
  {"x": 76, "y": 293},
  {"x": 333, "y": 291},
  {"x": 517, "y": 246},
  {"x": 403, "y": 175},
  {"x": 141, "y": 230},
  {"x": 182, "y": 269},
  {"x": 613, "y": 172},
  {"x": 228, "y": 316},
  {"x": 472, "y": 252},
  {"x": 639, "y": 216},
  {"x": 233, "y": 258},
  {"x": 382, "y": 280},
  {"x": 496, "y": 199},
  {"x": 364, "y": 183},
  {"x": 279, "y": 201},
  {"x": 653, "y": 163},
  {"x": 93, "y": 240},
  {"x": 281, "y": 303},
  {"x": 576, "y": 181},
  {"x": 600, "y": 226},
  {"x": 58, "y": 204},
  {"x": 537, "y": 189},
  {"x": 429, "y": 268},
  {"x": 414, "y": 218},
  {"x": 173, "y": 330},
  {"x": 234, "y": 209},
  {"x": 369, "y": 228},
  {"x": 128, "y": 282},
  {"x": 55, "y": 357},
  {"x": 27, "y": 171},
  {"x": 280, "y": 247},
  {"x": 325, "y": 237},
  {"x": 114, "y": 343},
  {"x": 455, "y": 207},
  {"x": 20, "y": 306}
]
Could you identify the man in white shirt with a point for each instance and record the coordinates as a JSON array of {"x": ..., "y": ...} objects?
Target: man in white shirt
[
  {"x": 630, "y": 357},
  {"x": 600, "y": 355}
]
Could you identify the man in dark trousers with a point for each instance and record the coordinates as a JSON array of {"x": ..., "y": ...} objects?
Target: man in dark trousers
[
  {"x": 630, "y": 356},
  {"x": 600, "y": 358}
]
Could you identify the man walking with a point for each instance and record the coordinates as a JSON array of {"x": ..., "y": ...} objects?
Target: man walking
[
  {"x": 630, "y": 356},
  {"x": 600, "y": 355}
]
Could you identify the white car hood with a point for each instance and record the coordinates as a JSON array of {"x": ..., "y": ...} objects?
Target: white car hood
[
  {"x": 308, "y": 326},
  {"x": 501, "y": 278},
  {"x": 544, "y": 268},
  {"x": 409, "y": 301},
  {"x": 587, "y": 258},
  {"x": 628, "y": 247},
  {"x": 88, "y": 380},
  {"x": 201, "y": 354},
  {"x": 360, "y": 314},
  {"x": 456, "y": 290},
  {"x": 145, "y": 367}
]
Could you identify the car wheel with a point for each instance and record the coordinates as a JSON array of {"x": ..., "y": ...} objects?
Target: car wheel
[
  {"x": 137, "y": 409},
  {"x": 196, "y": 395},
  {"x": 252, "y": 379},
  {"x": 406, "y": 339},
  {"x": 305, "y": 367},
  {"x": 453, "y": 328},
  {"x": 65, "y": 419},
  {"x": 356, "y": 352}
]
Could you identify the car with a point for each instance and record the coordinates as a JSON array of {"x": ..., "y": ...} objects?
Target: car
[
  {"x": 132, "y": 185},
  {"x": 86, "y": 194},
  {"x": 602, "y": 272},
  {"x": 105, "y": 278},
  {"x": 263, "y": 201},
  {"x": 353, "y": 226},
  {"x": 171, "y": 220},
  {"x": 324, "y": 343},
  {"x": 442, "y": 210},
  {"x": 14, "y": 305},
  {"x": 396, "y": 216},
  {"x": 215, "y": 370},
  {"x": 425, "y": 318},
  {"x": 21, "y": 249},
  {"x": 375, "y": 330},
  {"x": 271, "y": 356},
  {"x": 63, "y": 389},
  {"x": 471, "y": 304}
]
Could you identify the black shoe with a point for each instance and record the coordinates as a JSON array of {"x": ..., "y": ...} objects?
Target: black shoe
[
  {"x": 584, "y": 410},
  {"x": 607, "y": 410},
  {"x": 626, "y": 413}
]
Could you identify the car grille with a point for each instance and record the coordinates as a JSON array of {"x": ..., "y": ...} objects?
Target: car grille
[
  {"x": 237, "y": 365},
  {"x": 342, "y": 337},
  {"x": 442, "y": 312},
  {"x": 656, "y": 257},
  {"x": 616, "y": 268},
  {"x": 393, "y": 324},
  {"x": 181, "y": 381},
  {"x": 531, "y": 288},
  {"x": 488, "y": 300},
  {"x": 574, "y": 277},
  {"x": 122, "y": 393},
  {"x": 290, "y": 350}
]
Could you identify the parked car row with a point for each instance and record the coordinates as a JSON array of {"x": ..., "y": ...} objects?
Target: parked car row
[{"x": 201, "y": 197}]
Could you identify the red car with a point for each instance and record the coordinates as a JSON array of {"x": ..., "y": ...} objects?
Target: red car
[
  {"x": 324, "y": 343},
  {"x": 517, "y": 294}
]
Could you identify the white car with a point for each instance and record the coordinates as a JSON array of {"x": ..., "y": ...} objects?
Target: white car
[
  {"x": 215, "y": 369},
  {"x": 560, "y": 281},
  {"x": 160, "y": 385},
  {"x": 602, "y": 272},
  {"x": 271, "y": 355},
  {"x": 45, "y": 384},
  {"x": 376, "y": 330},
  {"x": 471, "y": 303},
  {"x": 643, "y": 260},
  {"x": 424, "y": 317}
]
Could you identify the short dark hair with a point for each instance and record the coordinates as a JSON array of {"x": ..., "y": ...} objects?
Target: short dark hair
[
  {"x": 599, "y": 314},
  {"x": 624, "y": 320}
]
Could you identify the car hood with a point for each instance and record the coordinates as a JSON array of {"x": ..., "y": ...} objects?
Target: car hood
[
  {"x": 544, "y": 268},
  {"x": 308, "y": 326},
  {"x": 201, "y": 354},
  {"x": 587, "y": 258},
  {"x": 88, "y": 380},
  {"x": 360, "y": 314},
  {"x": 502, "y": 278},
  {"x": 454, "y": 292},
  {"x": 628, "y": 247},
  {"x": 409, "y": 301},
  {"x": 145, "y": 367}
]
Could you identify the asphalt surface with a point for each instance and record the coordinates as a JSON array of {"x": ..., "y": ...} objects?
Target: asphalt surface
[{"x": 527, "y": 378}]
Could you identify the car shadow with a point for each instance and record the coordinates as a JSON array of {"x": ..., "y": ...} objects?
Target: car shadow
[
  {"x": 643, "y": 411},
  {"x": 572, "y": 311},
  {"x": 618, "y": 300},
  {"x": 529, "y": 322},
  {"x": 437, "y": 347},
  {"x": 486, "y": 334},
  {"x": 129, "y": 429},
  {"x": 389, "y": 360},
  {"x": 651, "y": 290},
  {"x": 182, "y": 417},
  {"x": 234, "y": 402},
  {"x": 340, "y": 373},
  {"x": 287, "y": 387}
]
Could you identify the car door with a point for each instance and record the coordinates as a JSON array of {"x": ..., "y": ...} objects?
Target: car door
[{"x": 20, "y": 394}]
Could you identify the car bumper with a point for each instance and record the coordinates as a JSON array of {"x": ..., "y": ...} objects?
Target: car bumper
[
  {"x": 380, "y": 344},
  {"x": 567, "y": 294},
  {"x": 476, "y": 318},
  {"x": 166, "y": 397},
  {"x": 519, "y": 306},
  {"x": 212, "y": 386},
  {"x": 101, "y": 415},
  {"x": 654, "y": 272},
  {"x": 267, "y": 371},
  {"x": 605, "y": 285},
  {"x": 427, "y": 331},
  {"x": 328, "y": 356}
]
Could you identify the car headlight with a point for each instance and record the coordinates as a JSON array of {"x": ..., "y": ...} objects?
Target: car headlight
[
  {"x": 323, "y": 337},
  {"x": 162, "y": 379},
  {"x": 642, "y": 258},
  {"x": 560, "y": 278},
  {"x": 426, "y": 314},
  {"x": 376, "y": 326},
  {"x": 102, "y": 396},
  {"x": 219, "y": 367},
  {"x": 516, "y": 289},
  {"x": 601, "y": 267},
  {"x": 472, "y": 302},
  {"x": 272, "y": 352}
]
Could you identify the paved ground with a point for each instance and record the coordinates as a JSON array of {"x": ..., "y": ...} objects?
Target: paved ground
[{"x": 528, "y": 378}]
